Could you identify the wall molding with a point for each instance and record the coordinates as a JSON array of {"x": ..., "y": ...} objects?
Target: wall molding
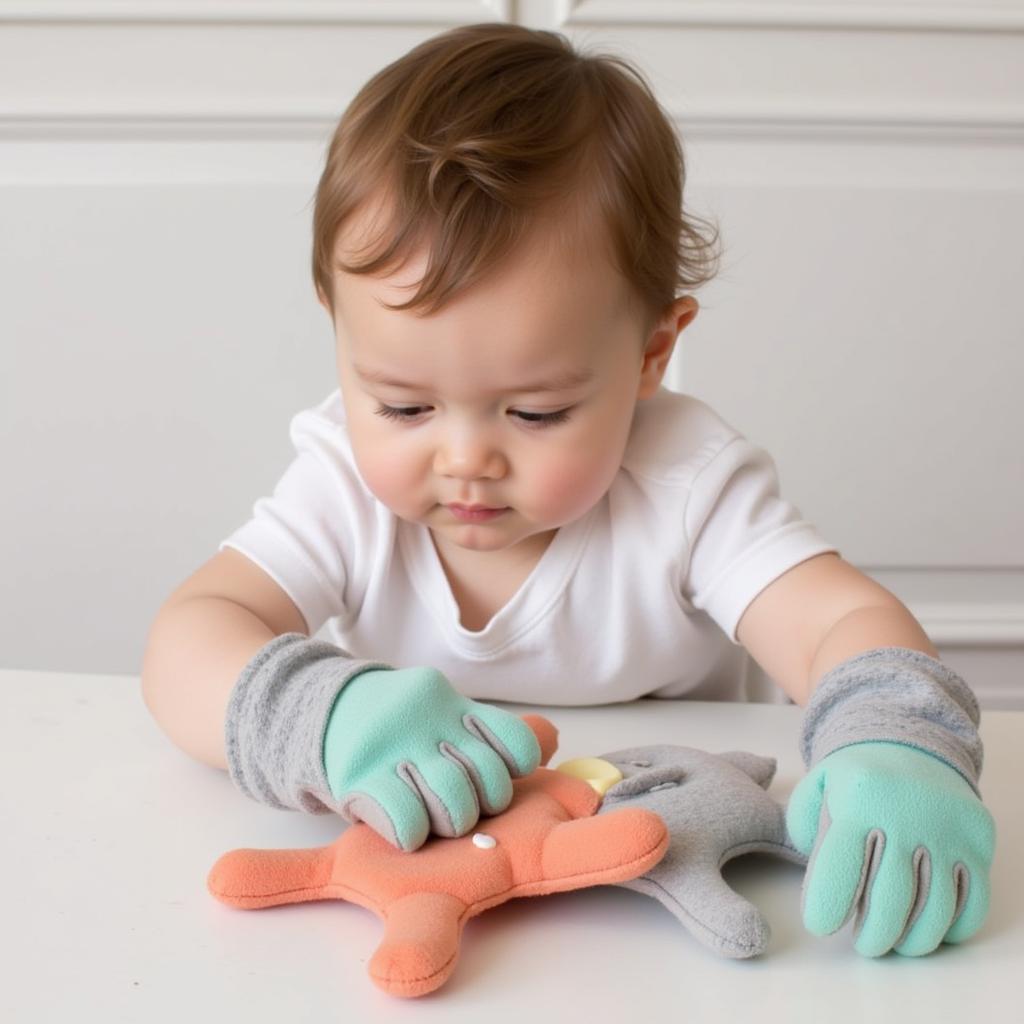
[
  {"x": 309, "y": 118},
  {"x": 255, "y": 12},
  {"x": 812, "y": 14},
  {"x": 967, "y": 122},
  {"x": 971, "y": 624}
]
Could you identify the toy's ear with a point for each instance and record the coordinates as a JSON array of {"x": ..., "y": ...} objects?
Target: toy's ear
[
  {"x": 546, "y": 733},
  {"x": 760, "y": 769}
]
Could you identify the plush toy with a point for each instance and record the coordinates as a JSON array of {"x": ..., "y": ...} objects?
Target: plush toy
[
  {"x": 549, "y": 839},
  {"x": 716, "y": 808}
]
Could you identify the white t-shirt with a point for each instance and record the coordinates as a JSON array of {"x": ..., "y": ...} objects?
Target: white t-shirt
[{"x": 640, "y": 596}]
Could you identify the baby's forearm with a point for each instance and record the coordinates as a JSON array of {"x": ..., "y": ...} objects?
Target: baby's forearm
[
  {"x": 196, "y": 649},
  {"x": 864, "y": 629}
]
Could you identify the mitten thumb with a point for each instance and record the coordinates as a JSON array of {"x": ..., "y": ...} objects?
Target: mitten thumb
[{"x": 803, "y": 812}]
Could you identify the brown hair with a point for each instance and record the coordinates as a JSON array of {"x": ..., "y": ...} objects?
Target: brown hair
[{"x": 480, "y": 131}]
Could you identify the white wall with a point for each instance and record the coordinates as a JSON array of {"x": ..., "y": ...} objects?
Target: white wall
[{"x": 158, "y": 325}]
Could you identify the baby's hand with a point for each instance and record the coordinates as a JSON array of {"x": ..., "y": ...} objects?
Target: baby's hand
[
  {"x": 899, "y": 838},
  {"x": 409, "y": 755}
]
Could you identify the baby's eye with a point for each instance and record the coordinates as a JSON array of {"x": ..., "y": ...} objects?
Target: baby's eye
[
  {"x": 392, "y": 412},
  {"x": 544, "y": 419},
  {"x": 534, "y": 419}
]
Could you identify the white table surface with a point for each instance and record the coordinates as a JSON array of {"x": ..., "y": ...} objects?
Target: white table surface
[{"x": 109, "y": 832}]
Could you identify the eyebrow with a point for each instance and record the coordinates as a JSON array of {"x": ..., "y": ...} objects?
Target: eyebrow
[{"x": 562, "y": 382}]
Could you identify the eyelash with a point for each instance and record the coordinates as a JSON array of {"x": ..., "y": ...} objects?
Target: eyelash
[{"x": 540, "y": 420}]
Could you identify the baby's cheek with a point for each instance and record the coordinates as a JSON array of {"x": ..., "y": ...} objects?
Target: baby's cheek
[
  {"x": 570, "y": 485},
  {"x": 388, "y": 478}
]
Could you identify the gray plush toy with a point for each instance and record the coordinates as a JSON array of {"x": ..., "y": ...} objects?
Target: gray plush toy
[{"x": 716, "y": 808}]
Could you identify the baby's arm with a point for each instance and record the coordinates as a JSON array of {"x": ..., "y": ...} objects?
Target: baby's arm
[
  {"x": 890, "y": 812},
  {"x": 201, "y": 639},
  {"x": 232, "y": 676}
]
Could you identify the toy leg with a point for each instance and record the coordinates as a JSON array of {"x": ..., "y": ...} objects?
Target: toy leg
[
  {"x": 420, "y": 945},
  {"x": 252, "y": 879}
]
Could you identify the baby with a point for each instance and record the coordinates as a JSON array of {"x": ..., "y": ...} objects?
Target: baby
[{"x": 501, "y": 501}]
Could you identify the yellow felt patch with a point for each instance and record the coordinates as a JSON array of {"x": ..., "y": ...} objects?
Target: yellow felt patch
[{"x": 601, "y": 774}]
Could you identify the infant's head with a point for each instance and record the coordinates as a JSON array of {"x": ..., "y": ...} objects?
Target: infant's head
[{"x": 500, "y": 241}]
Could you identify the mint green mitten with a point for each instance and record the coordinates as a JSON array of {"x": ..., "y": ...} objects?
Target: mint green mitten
[
  {"x": 890, "y": 811},
  {"x": 406, "y": 753},
  {"x": 898, "y": 838}
]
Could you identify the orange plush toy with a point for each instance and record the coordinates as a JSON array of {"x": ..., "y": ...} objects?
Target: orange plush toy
[{"x": 547, "y": 840}]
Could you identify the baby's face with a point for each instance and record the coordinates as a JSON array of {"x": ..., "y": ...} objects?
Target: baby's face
[{"x": 518, "y": 395}]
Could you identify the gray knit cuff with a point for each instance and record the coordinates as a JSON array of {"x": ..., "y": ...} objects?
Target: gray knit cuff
[
  {"x": 900, "y": 695},
  {"x": 276, "y": 719}
]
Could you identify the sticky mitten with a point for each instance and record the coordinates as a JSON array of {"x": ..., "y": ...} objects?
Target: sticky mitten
[
  {"x": 407, "y": 754},
  {"x": 309, "y": 727},
  {"x": 889, "y": 812},
  {"x": 276, "y": 717}
]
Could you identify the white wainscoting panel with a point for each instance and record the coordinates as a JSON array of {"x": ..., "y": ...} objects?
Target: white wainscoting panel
[{"x": 158, "y": 325}]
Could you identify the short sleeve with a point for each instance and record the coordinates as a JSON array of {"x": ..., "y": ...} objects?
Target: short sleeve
[
  {"x": 303, "y": 534},
  {"x": 741, "y": 534}
]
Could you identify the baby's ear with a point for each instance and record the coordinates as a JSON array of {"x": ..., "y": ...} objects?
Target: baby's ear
[{"x": 322, "y": 299}]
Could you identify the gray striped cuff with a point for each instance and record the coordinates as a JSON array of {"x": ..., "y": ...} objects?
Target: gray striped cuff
[
  {"x": 900, "y": 695},
  {"x": 276, "y": 719}
]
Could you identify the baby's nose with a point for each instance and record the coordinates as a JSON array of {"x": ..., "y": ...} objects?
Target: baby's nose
[{"x": 467, "y": 455}]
